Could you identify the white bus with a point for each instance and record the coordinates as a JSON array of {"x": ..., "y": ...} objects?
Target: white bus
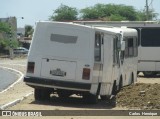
[
  {"x": 67, "y": 58},
  {"x": 149, "y": 42}
]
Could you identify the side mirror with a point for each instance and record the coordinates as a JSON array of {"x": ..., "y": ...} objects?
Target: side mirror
[{"x": 122, "y": 45}]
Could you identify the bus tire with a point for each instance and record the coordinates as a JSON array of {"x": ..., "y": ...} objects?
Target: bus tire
[
  {"x": 114, "y": 88},
  {"x": 104, "y": 97},
  {"x": 120, "y": 84},
  {"x": 132, "y": 78},
  {"x": 41, "y": 94},
  {"x": 90, "y": 98}
]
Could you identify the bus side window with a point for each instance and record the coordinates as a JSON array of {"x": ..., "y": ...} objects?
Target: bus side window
[
  {"x": 135, "y": 47},
  {"x": 126, "y": 49},
  {"x": 115, "y": 51},
  {"x": 97, "y": 49},
  {"x": 139, "y": 36},
  {"x": 130, "y": 47}
]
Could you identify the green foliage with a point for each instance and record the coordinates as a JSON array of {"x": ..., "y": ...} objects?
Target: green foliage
[
  {"x": 116, "y": 17},
  {"x": 5, "y": 28},
  {"x": 28, "y": 30},
  {"x": 128, "y": 12},
  {"x": 6, "y": 43},
  {"x": 141, "y": 15},
  {"x": 3, "y": 44},
  {"x": 111, "y": 11},
  {"x": 107, "y": 12},
  {"x": 90, "y": 13},
  {"x": 64, "y": 13},
  {"x": 14, "y": 43}
]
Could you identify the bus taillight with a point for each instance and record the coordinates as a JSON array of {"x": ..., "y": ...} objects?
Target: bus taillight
[
  {"x": 86, "y": 74},
  {"x": 30, "y": 68}
]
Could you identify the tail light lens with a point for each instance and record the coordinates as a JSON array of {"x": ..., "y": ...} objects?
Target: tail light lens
[
  {"x": 86, "y": 74},
  {"x": 30, "y": 68}
]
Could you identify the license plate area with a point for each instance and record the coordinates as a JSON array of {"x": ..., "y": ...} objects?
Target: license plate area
[{"x": 58, "y": 72}]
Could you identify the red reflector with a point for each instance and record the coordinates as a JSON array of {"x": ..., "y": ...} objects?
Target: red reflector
[
  {"x": 86, "y": 74},
  {"x": 30, "y": 68}
]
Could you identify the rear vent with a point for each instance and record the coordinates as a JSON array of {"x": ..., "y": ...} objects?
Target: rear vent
[
  {"x": 86, "y": 74},
  {"x": 30, "y": 68}
]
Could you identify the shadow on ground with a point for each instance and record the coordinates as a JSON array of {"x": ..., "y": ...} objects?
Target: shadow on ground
[
  {"x": 76, "y": 102},
  {"x": 156, "y": 76}
]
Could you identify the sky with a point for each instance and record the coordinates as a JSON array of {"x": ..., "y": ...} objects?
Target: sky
[{"x": 35, "y": 10}]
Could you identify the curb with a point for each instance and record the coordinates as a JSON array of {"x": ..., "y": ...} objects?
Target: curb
[
  {"x": 17, "y": 72},
  {"x": 10, "y": 104}
]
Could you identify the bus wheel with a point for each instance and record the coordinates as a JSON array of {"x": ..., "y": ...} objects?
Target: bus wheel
[
  {"x": 149, "y": 73},
  {"x": 41, "y": 94},
  {"x": 132, "y": 78},
  {"x": 104, "y": 97},
  {"x": 90, "y": 98},
  {"x": 114, "y": 88},
  {"x": 120, "y": 84}
]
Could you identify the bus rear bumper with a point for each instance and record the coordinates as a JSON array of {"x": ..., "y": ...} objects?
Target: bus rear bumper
[{"x": 52, "y": 83}]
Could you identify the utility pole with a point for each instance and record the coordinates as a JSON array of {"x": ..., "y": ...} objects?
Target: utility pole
[{"x": 147, "y": 10}]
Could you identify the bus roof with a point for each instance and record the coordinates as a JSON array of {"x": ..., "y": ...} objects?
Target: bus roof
[
  {"x": 134, "y": 24},
  {"x": 106, "y": 29},
  {"x": 124, "y": 30}
]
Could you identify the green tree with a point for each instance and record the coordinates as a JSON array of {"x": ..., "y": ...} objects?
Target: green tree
[
  {"x": 127, "y": 12},
  {"x": 5, "y": 28},
  {"x": 63, "y": 13},
  {"x": 28, "y": 30},
  {"x": 90, "y": 13},
  {"x": 5, "y": 44},
  {"x": 116, "y": 17},
  {"x": 109, "y": 11},
  {"x": 141, "y": 15}
]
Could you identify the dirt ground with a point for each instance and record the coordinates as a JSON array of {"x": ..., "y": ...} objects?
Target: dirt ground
[
  {"x": 145, "y": 94},
  {"x": 137, "y": 96},
  {"x": 140, "y": 95}
]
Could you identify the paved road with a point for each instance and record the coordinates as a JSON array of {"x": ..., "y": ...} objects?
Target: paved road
[{"x": 6, "y": 78}]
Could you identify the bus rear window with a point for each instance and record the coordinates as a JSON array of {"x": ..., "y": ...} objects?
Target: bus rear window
[{"x": 63, "y": 38}]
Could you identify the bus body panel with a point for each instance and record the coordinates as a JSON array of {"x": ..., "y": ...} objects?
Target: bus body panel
[
  {"x": 148, "y": 59},
  {"x": 61, "y": 52},
  {"x": 68, "y": 57}
]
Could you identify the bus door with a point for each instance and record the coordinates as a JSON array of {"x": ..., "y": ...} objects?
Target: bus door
[
  {"x": 98, "y": 60},
  {"x": 116, "y": 59}
]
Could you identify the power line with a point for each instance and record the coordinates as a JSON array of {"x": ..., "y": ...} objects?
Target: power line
[
  {"x": 151, "y": 3},
  {"x": 147, "y": 10}
]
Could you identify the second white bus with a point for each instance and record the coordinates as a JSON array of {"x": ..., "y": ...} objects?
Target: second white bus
[{"x": 148, "y": 42}]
